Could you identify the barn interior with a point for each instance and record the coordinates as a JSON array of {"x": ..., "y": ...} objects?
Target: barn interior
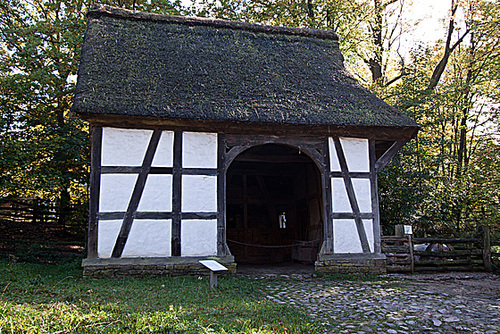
[{"x": 274, "y": 206}]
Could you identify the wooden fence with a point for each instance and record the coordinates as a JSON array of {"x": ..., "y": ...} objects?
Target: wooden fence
[
  {"x": 408, "y": 254},
  {"x": 29, "y": 210},
  {"x": 32, "y": 229}
]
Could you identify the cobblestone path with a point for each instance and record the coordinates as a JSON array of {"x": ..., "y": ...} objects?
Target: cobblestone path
[{"x": 395, "y": 304}]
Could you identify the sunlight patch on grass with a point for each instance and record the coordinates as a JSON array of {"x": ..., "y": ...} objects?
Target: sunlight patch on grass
[{"x": 55, "y": 298}]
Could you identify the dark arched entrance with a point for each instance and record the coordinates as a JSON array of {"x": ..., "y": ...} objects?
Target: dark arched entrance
[{"x": 274, "y": 199}]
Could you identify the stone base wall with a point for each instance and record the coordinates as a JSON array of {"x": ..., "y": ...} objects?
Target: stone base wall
[
  {"x": 351, "y": 263},
  {"x": 152, "y": 267}
]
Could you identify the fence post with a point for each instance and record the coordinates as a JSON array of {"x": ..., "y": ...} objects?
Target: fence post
[
  {"x": 399, "y": 230},
  {"x": 483, "y": 233},
  {"x": 412, "y": 258}
]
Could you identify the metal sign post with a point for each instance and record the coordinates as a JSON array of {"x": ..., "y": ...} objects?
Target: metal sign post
[{"x": 214, "y": 267}]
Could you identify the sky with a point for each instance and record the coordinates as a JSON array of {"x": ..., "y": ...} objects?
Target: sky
[{"x": 431, "y": 16}]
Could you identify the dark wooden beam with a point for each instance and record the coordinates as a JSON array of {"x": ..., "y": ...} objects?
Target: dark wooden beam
[
  {"x": 176, "y": 195},
  {"x": 133, "y": 170},
  {"x": 243, "y": 128},
  {"x": 136, "y": 195},
  {"x": 233, "y": 153},
  {"x": 95, "y": 185},
  {"x": 199, "y": 215},
  {"x": 138, "y": 215},
  {"x": 347, "y": 215},
  {"x": 222, "y": 248},
  {"x": 324, "y": 168},
  {"x": 112, "y": 215},
  {"x": 375, "y": 203},
  {"x": 358, "y": 175},
  {"x": 388, "y": 155},
  {"x": 199, "y": 171},
  {"x": 352, "y": 196}
]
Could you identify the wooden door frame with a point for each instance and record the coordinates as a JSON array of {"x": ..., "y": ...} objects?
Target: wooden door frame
[{"x": 231, "y": 146}]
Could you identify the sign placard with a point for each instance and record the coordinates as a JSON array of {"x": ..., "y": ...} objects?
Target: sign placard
[{"x": 408, "y": 229}]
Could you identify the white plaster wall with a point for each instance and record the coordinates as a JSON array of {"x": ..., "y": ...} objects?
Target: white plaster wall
[
  {"x": 199, "y": 150},
  {"x": 334, "y": 160},
  {"x": 356, "y": 154},
  {"x": 199, "y": 193},
  {"x": 198, "y": 237},
  {"x": 115, "y": 192},
  {"x": 147, "y": 238},
  {"x": 347, "y": 238},
  {"x": 362, "y": 189},
  {"x": 157, "y": 194},
  {"x": 164, "y": 155},
  {"x": 340, "y": 200},
  {"x": 124, "y": 147},
  {"x": 107, "y": 232}
]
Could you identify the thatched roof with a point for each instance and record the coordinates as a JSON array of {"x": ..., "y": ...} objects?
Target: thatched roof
[{"x": 141, "y": 64}]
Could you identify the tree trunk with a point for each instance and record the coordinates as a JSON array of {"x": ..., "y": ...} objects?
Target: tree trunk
[{"x": 375, "y": 62}]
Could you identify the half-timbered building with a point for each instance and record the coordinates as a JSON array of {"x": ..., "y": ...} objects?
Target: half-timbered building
[{"x": 228, "y": 140}]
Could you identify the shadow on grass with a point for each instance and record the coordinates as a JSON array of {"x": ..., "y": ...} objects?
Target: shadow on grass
[{"x": 55, "y": 298}]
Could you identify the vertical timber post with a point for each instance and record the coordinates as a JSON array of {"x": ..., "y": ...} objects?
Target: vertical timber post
[
  {"x": 485, "y": 244},
  {"x": 95, "y": 185},
  {"x": 375, "y": 203},
  {"x": 221, "y": 196},
  {"x": 328, "y": 236},
  {"x": 176, "y": 195}
]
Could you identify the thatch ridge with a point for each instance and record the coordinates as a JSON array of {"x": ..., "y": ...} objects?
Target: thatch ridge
[{"x": 98, "y": 10}]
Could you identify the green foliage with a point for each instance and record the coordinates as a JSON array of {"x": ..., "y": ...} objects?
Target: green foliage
[
  {"x": 449, "y": 184},
  {"x": 44, "y": 148},
  {"x": 44, "y": 298}
]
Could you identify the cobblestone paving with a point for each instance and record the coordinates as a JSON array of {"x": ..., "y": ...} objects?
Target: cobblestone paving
[{"x": 394, "y": 304}]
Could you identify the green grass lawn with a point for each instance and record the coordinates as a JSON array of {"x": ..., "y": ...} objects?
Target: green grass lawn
[{"x": 41, "y": 298}]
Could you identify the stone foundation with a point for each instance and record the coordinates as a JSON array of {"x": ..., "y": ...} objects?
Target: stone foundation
[
  {"x": 351, "y": 263},
  {"x": 174, "y": 266}
]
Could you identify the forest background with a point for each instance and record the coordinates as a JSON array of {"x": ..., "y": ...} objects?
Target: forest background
[{"x": 444, "y": 182}]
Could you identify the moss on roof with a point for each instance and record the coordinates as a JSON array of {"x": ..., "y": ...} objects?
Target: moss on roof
[{"x": 169, "y": 66}]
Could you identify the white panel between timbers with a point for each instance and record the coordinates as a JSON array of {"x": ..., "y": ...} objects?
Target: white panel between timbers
[
  {"x": 199, "y": 150},
  {"x": 147, "y": 238},
  {"x": 164, "y": 155},
  {"x": 198, "y": 237},
  {"x": 346, "y": 238},
  {"x": 124, "y": 147},
  {"x": 157, "y": 194},
  {"x": 115, "y": 192},
  {"x": 356, "y": 152},
  {"x": 340, "y": 200},
  {"x": 199, "y": 193}
]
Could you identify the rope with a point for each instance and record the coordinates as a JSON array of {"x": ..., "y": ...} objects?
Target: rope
[{"x": 269, "y": 246}]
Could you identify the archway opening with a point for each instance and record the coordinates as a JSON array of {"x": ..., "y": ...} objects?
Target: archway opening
[{"x": 274, "y": 206}]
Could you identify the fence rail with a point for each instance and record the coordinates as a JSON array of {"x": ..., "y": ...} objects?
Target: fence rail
[
  {"x": 30, "y": 211},
  {"x": 408, "y": 254}
]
